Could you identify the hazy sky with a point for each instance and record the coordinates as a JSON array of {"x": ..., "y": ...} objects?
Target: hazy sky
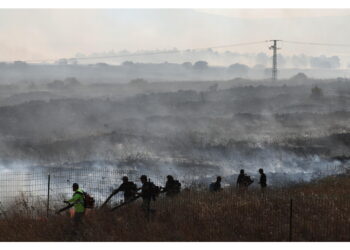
[{"x": 42, "y": 34}]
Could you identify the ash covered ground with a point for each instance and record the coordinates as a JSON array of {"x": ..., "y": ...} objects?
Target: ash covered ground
[{"x": 296, "y": 129}]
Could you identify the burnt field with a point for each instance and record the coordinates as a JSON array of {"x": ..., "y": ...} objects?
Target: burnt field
[
  {"x": 297, "y": 130},
  {"x": 299, "y": 125}
]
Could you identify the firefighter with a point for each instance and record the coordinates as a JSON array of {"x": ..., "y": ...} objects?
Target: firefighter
[
  {"x": 146, "y": 193},
  {"x": 240, "y": 179},
  {"x": 216, "y": 186},
  {"x": 149, "y": 192},
  {"x": 172, "y": 187},
  {"x": 78, "y": 202},
  {"x": 128, "y": 187},
  {"x": 243, "y": 181},
  {"x": 262, "y": 181}
]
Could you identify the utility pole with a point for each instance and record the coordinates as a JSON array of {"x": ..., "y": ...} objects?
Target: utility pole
[{"x": 274, "y": 59}]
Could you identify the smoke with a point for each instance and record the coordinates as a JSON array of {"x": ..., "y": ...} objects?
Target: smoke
[
  {"x": 100, "y": 178},
  {"x": 195, "y": 131},
  {"x": 324, "y": 62},
  {"x": 14, "y": 166}
]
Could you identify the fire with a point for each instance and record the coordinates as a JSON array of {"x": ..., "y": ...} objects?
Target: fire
[{"x": 71, "y": 212}]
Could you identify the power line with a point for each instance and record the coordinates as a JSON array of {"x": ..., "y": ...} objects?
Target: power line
[
  {"x": 272, "y": 47},
  {"x": 237, "y": 44},
  {"x": 318, "y": 44},
  {"x": 152, "y": 53},
  {"x": 188, "y": 50}
]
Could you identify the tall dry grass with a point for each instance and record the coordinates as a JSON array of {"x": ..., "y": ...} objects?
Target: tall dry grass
[{"x": 320, "y": 213}]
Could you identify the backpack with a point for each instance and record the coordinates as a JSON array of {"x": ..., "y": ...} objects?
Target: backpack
[
  {"x": 247, "y": 180},
  {"x": 154, "y": 190},
  {"x": 213, "y": 187},
  {"x": 177, "y": 186},
  {"x": 89, "y": 201}
]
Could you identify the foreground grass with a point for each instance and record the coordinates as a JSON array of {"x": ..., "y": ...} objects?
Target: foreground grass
[{"x": 320, "y": 212}]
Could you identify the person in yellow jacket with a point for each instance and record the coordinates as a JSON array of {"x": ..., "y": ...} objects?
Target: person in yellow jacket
[{"x": 78, "y": 202}]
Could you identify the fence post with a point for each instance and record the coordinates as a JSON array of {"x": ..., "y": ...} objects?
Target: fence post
[
  {"x": 290, "y": 219},
  {"x": 48, "y": 195}
]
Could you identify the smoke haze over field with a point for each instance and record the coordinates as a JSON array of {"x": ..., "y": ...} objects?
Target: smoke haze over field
[
  {"x": 194, "y": 129},
  {"x": 157, "y": 92}
]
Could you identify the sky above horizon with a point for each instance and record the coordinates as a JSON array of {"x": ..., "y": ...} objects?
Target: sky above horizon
[{"x": 40, "y": 34}]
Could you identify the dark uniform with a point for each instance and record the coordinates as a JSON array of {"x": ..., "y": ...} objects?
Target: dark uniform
[
  {"x": 146, "y": 194},
  {"x": 243, "y": 180},
  {"x": 262, "y": 181},
  {"x": 129, "y": 188},
  {"x": 216, "y": 186},
  {"x": 240, "y": 180},
  {"x": 172, "y": 187}
]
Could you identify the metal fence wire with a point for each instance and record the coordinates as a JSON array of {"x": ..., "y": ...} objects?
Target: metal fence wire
[
  {"x": 280, "y": 216},
  {"x": 56, "y": 184}
]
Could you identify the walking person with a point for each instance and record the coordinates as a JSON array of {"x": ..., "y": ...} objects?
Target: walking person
[
  {"x": 128, "y": 187},
  {"x": 172, "y": 187},
  {"x": 262, "y": 181},
  {"x": 240, "y": 179},
  {"x": 78, "y": 202},
  {"x": 216, "y": 186},
  {"x": 149, "y": 192}
]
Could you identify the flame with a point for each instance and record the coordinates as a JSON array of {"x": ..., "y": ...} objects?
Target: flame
[{"x": 71, "y": 212}]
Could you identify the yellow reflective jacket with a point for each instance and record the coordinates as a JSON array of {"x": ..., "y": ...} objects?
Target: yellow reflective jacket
[{"x": 78, "y": 201}]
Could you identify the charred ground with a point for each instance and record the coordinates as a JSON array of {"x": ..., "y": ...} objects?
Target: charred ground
[{"x": 218, "y": 125}]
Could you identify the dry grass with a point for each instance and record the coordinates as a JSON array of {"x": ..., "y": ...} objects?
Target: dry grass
[{"x": 320, "y": 213}]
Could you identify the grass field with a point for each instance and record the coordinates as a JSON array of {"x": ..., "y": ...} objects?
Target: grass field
[{"x": 320, "y": 212}]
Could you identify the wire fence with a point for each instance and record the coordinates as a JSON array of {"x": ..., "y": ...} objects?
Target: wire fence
[
  {"x": 274, "y": 215},
  {"x": 57, "y": 183},
  {"x": 52, "y": 187}
]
